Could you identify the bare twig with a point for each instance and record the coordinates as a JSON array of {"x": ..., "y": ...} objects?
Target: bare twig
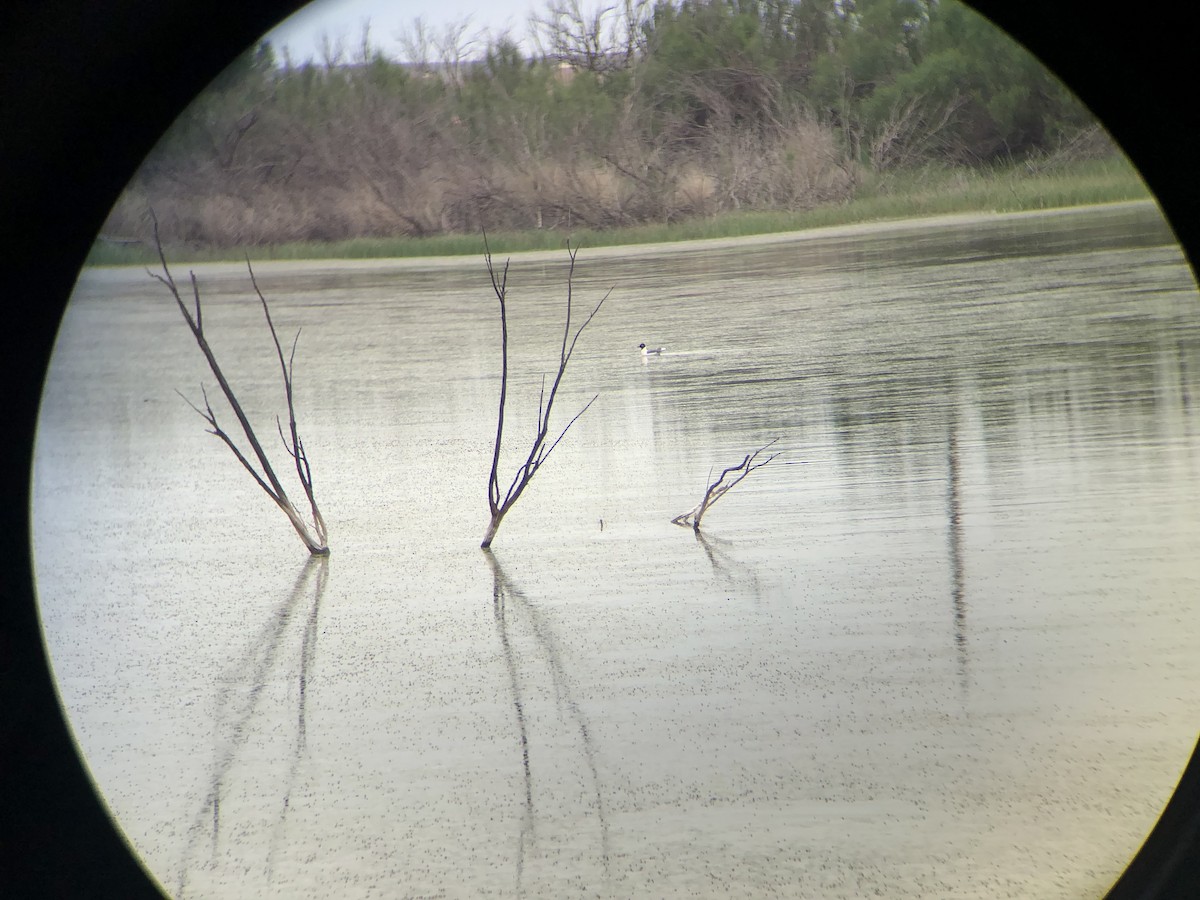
[
  {"x": 266, "y": 478},
  {"x": 540, "y": 451},
  {"x": 296, "y": 447},
  {"x": 721, "y": 486}
]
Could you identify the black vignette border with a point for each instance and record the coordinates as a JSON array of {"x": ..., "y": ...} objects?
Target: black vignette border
[{"x": 85, "y": 90}]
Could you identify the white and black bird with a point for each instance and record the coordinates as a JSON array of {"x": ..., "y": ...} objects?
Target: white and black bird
[{"x": 650, "y": 351}]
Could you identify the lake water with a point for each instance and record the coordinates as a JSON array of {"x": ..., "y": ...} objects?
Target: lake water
[{"x": 943, "y": 646}]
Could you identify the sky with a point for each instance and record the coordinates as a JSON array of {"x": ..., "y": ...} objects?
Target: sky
[{"x": 342, "y": 20}]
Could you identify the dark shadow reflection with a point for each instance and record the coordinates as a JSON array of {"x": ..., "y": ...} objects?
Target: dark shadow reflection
[
  {"x": 500, "y": 592},
  {"x": 240, "y": 702},
  {"x": 517, "y": 617},
  {"x": 955, "y": 542},
  {"x": 730, "y": 573}
]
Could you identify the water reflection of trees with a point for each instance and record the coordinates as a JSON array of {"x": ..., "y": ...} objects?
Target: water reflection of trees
[
  {"x": 1079, "y": 394},
  {"x": 1102, "y": 405},
  {"x": 900, "y": 439},
  {"x": 241, "y": 700},
  {"x": 955, "y": 543},
  {"x": 528, "y": 641}
]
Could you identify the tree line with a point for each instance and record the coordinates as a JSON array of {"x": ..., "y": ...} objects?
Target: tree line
[{"x": 636, "y": 113}]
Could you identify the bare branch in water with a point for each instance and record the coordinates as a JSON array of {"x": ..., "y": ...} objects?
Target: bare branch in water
[
  {"x": 722, "y": 486},
  {"x": 265, "y": 475},
  {"x": 540, "y": 451}
]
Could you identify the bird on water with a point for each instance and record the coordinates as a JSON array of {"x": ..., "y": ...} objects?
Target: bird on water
[{"x": 647, "y": 351}]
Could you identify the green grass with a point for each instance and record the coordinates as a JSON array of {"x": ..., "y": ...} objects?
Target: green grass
[{"x": 926, "y": 192}]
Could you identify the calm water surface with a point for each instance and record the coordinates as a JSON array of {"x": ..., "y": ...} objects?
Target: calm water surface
[{"x": 943, "y": 646}]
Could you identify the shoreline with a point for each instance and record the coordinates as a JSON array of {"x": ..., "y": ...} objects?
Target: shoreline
[{"x": 864, "y": 228}]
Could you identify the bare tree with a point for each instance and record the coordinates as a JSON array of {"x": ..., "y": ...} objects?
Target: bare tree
[
  {"x": 452, "y": 46},
  {"x": 721, "y": 486},
  {"x": 314, "y": 537},
  {"x": 366, "y": 52},
  {"x": 332, "y": 49},
  {"x": 540, "y": 451},
  {"x": 415, "y": 42},
  {"x": 601, "y": 39}
]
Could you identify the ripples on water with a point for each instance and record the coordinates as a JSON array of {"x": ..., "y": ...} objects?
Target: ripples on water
[{"x": 943, "y": 646}]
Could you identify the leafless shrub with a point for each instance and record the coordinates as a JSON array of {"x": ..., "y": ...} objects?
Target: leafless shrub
[
  {"x": 378, "y": 165},
  {"x": 312, "y": 534},
  {"x": 912, "y": 127},
  {"x": 1090, "y": 143},
  {"x": 499, "y": 504},
  {"x": 726, "y": 481}
]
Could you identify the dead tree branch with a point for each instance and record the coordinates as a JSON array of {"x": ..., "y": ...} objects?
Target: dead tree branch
[
  {"x": 721, "y": 486},
  {"x": 314, "y": 538},
  {"x": 294, "y": 446},
  {"x": 540, "y": 451}
]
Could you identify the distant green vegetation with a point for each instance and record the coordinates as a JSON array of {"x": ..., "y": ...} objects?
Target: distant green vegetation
[
  {"x": 654, "y": 119},
  {"x": 932, "y": 191}
]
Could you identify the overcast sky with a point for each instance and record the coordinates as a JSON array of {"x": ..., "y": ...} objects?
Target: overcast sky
[{"x": 343, "y": 20}]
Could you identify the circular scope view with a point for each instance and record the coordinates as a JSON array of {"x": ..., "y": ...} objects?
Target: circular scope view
[{"x": 825, "y": 397}]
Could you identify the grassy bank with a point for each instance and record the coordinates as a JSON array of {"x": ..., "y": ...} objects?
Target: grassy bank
[{"x": 926, "y": 192}]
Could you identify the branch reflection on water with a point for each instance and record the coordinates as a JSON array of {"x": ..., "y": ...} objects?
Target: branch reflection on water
[
  {"x": 240, "y": 702},
  {"x": 730, "y": 573},
  {"x": 520, "y": 621}
]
